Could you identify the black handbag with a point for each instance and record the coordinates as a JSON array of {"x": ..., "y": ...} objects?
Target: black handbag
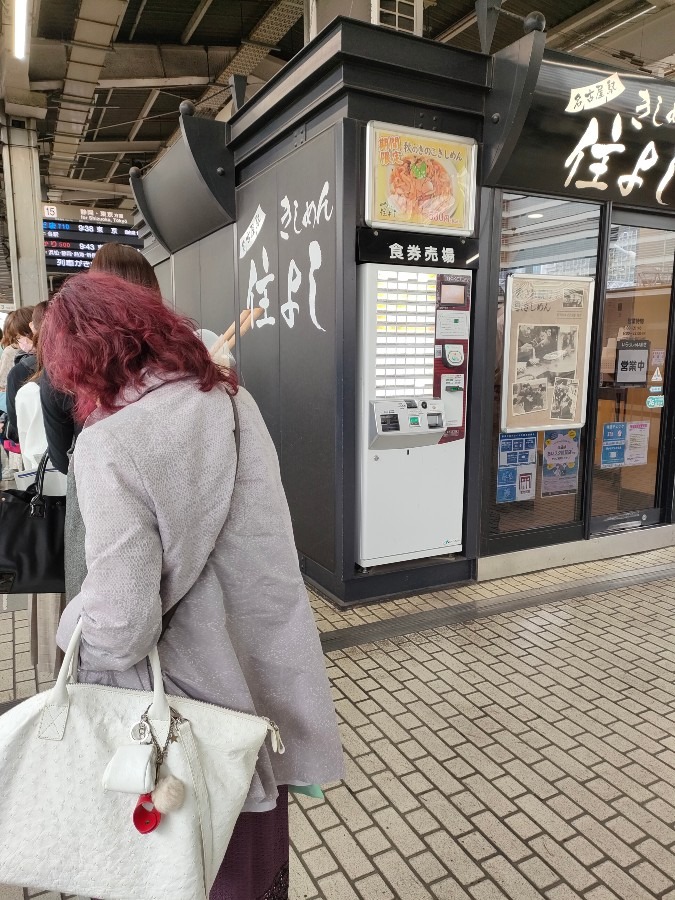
[{"x": 32, "y": 528}]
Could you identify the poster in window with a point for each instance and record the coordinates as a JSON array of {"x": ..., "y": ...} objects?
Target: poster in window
[
  {"x": 560, "y": 464},
  {"x": 420, "y": 180},
  {"x": 547, "y": 335}
]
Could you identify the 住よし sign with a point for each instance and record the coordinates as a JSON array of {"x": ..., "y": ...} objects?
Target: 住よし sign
[{"x": 420, "y": 180}]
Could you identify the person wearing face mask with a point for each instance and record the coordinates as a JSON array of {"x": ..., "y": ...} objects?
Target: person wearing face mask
[
  {"x": 17, "y": 326},
  {"x": 25, "y": 366}
]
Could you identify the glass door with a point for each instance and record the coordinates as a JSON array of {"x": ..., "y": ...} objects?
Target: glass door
[{"x": 627, "y": 485}]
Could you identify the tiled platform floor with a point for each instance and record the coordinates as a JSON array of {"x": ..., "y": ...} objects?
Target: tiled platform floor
[
  {"x": 329, "y": 618},
  {"x": 526, "y": 755}
]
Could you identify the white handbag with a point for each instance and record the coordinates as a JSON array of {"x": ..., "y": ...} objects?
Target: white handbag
[{"x": 63, "y": 831}]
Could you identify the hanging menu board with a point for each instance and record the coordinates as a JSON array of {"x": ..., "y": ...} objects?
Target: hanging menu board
[
  {"x": 547, "y": 337},
  {"x": 420, "y": 181}
]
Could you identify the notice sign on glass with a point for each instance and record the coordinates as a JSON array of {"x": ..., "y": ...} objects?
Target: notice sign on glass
[
  {"x": 547, "y": 333},
  {"x": 632, "y": 361},
  {"x": 517, "y": 471},
  {"x": 624, "y": 444},
  {"x": 560, "y": 470},
  {"x": 420, "y": 180}
]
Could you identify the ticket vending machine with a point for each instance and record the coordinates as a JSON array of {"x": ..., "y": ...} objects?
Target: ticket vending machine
[{"x": 412, "y": 397}]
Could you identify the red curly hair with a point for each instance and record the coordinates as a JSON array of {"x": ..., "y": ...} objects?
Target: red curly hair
[{"x": 102, "y": 334}]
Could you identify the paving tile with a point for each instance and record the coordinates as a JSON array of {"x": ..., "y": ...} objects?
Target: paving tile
[
  {"x": 428, "y": 867},
  {"x": 453, "y": 856},
  {"x": 303, "y": 887},
  {"x": 651, "y": 878},
  {"x": 373, "y": 841},
  {"x": 486, "y": 890},
  {"x": 538, "y": 873},
  {"x": 645, "y": 820},
  {"x": 336, "y": 887},
  {"x": 347, "y": 852},
  {"x": 448, "y": 889},
  {"x": 422, "y": 821},
  {"x": 447, "y": 814},
  {"x": 319, "y": 862},
  {"x": 545, "y": 817},
  {"x": 398, "y": 831},
  {"x": 622, "y": 884},
  {"x": 395, "y": 792},
  {"x": 304, "y": 835},
  {"x": 600, "y": 893},
  {"x": 400, "y": 877},
  {"x": 510, "y": 880},
  {"x": 584, "y": 851},
  {"x": 373, "y": 888}
]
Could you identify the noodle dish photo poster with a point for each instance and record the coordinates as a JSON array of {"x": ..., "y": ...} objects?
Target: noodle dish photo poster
[
  {"x": 420, "y": 180},
  {"x": 547, "y": 337}
]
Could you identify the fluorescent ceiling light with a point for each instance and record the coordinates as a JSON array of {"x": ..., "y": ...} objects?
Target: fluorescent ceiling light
[
  {"x": 613, "y": 28},
  {"x": 20, "y": 23},
  {"x": 535, "y": 215}
]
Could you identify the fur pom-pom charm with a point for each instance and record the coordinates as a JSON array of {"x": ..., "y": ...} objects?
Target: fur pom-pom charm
[{"x": 169, "y": 794}]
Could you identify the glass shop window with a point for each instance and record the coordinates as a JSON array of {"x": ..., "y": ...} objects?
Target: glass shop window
[{"x": 538, "y": 237}]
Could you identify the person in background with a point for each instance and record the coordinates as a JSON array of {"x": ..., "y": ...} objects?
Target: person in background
[
  {"x": 215, "y": 546},
  {"x": 28, "y": 409},
  {"x": 125, "y": 262},
  {"x": 17, "y": 329},
  {"x": 61, "y": 427},
  {"x": 24, "y": 368},
  {"x": 44, "y": 610}
]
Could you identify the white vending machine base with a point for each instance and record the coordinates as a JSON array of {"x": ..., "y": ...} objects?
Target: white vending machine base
[{"x": 411, "y": 503}]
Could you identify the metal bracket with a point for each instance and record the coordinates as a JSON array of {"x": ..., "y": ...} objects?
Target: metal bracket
[
  {"x": 299, "y": 136},
  {"x": 514, "y": 79}
]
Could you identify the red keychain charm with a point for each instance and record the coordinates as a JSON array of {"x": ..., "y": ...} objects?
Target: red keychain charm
[{"x": 146, "y": 817}]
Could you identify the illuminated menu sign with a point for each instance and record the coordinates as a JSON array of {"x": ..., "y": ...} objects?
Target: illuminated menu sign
[{"x": 598, "y": 134}]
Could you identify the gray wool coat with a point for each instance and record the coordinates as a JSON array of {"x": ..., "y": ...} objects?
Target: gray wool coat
[{"x": 158, "y": 532}]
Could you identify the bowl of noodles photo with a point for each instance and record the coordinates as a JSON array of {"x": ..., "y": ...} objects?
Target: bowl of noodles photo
[{"x": 422, "y": 188}]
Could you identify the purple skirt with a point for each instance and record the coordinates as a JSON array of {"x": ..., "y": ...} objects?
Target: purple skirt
[{"x": 256, "y": 863}]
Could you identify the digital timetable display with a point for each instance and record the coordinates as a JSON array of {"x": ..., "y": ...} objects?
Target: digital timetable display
[
  {"x": 73, "y": 245},
  {"x": 85, "y": 228}
]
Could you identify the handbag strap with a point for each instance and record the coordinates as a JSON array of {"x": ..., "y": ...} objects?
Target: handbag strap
[
  {"x": 201, "y": 793},
  {"x": 168, "y": 616},
  {"x": 37, "y": 503}
]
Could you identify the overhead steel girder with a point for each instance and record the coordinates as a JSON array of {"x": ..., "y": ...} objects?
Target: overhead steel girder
[
  {"x": 95, "y": 188},
  {"x": 125, "y": 62},
  {"x": 94, "y": 30},
  {"x": 87, "y": 148}
]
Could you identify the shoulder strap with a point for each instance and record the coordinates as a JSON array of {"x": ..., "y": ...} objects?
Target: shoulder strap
[{"x": 168, "y": 616}]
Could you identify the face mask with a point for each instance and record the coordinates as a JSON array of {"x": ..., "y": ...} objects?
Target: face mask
[{"x": 25, "y": 344}]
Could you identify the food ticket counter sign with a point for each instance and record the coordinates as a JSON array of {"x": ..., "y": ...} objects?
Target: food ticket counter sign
[
  {"x": 419, "y": 180},
  {"x": 547, "y": 336}
]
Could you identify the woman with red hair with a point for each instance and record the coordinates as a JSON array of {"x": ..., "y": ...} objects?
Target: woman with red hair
[{"x": 215, "y": 546}]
